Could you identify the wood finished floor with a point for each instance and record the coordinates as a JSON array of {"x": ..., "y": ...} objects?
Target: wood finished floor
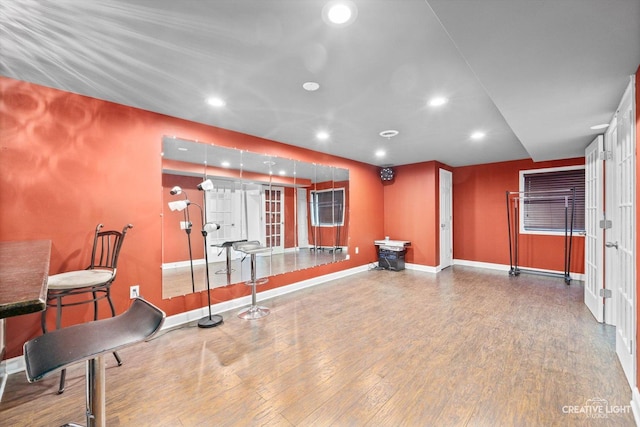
[{"x": 465, "y": 347}]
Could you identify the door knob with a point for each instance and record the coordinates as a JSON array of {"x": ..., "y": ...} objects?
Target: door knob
[{"x": 611, "y": 245}]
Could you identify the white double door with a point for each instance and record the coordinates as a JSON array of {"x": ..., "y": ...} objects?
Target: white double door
[{"x": 610, "y": 273}]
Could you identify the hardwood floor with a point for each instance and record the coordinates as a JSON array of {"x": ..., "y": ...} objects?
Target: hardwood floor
[{"x": 465, "y": 347}]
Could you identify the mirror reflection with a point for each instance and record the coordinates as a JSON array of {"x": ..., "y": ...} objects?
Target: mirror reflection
[{"x": 298, "y": 210}]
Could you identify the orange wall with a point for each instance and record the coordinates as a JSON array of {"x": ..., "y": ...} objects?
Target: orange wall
[
  {"x": 69, "y": 162},
  {"x": 290, "y": 232},
  {"x": 411, "y": 211},
  {"x": 480, "y": 230}
]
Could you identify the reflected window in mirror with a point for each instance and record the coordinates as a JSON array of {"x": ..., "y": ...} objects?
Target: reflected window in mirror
[{"x": 327, "y": 208}]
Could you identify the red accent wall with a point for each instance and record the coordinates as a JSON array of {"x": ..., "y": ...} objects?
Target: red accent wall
[
  {"x": 411, "y": 211},
  {"x": 69, "y": 162},
  {"x": 480, "y": 230},
  {"x": 290, "y": 233}
]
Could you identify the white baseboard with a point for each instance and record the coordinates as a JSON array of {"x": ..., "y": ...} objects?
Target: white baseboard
[
  {"x": 503, "y": 267},
  {"x": 488, "y": 265},
  {"x": 180, "y": 264},
  {"x": 419, "y": 267}
]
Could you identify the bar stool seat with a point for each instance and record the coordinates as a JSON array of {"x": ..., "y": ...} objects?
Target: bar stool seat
[{"x": 56, "y": 350}]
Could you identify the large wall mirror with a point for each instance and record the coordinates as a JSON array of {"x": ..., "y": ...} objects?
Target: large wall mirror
[{"x": 298, "y": 211}]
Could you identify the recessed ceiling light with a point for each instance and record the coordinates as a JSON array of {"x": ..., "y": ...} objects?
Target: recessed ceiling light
[
  {"x": 339, "y": 12},
  {"x": 182, "y": 149},
  {"x": 322, "y": 135},
  {"x": 311, "y": 86},
  {"x": 282, "y": 173},
  {"x": 437, "y": 101},
  {"x": 216, "y": 102},
  {"x": 477, "y": 135},
  {"x": 600, "y": 126},
  {"x": 225, "y": 164},
  {"x": 381, "y": 153},
  {"x": 389, "y": 133}
]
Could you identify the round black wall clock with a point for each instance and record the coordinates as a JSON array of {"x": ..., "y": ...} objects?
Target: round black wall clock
[{"x": 386, "y": 174}]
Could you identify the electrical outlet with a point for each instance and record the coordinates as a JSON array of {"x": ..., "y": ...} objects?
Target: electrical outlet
[
  {"x": 134, "y": 291},
  {"x": 357, "y": 250}
]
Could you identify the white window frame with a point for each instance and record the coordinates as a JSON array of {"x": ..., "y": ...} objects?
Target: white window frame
[{"x": 521, "y": 210}]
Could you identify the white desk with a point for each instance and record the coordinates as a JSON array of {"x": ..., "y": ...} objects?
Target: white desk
[{"x": 391, "y": 253}]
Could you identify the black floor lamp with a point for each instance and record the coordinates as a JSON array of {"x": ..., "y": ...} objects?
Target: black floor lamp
[{"x": 212, "y": 319}]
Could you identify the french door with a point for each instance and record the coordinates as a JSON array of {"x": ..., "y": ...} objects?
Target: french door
[
  {"x": 622, "y": 249},
  {"x": 274, "y": 218},
  {"x": 594, "y": 213}
]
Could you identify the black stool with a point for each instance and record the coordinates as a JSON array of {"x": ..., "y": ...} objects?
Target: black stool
[{"x": 56, "y": 350}]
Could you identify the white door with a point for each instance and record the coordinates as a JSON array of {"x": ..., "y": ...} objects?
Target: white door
[
  {"x": 274, "y": 218},
  {"x": 623, "y": 247},
  {"x": 593, "y": 258},
  {"x": 446, "y": 223},
  {"x": 253, "y": 214}
]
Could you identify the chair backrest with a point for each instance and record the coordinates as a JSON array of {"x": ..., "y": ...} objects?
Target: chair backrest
[{"x": 106, "y": 248}]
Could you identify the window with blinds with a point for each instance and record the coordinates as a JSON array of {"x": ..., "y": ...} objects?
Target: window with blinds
[
  {"x": 327, "y": 207},
  {"x": 548, "y": 193}
]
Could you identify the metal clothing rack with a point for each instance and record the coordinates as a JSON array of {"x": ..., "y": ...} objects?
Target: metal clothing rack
[{"x": 514, "y": 198}]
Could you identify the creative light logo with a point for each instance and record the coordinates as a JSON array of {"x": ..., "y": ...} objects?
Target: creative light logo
[{"x": 596, "y": 408}]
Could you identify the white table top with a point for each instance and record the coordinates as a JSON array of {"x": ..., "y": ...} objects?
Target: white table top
[{"x": 392, "y": 242}]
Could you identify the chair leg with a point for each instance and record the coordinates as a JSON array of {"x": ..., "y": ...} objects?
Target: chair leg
[
  {"x": 63, "y": 376},
  {"x": 95, "y": 306},
  {"x": 43, "y": 320},
  {"x": 113, "y": 314},
  {"x": 63, "y": 373}
]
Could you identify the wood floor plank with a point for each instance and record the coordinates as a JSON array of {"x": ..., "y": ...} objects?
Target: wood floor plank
[{"x": 464, "y": 347}]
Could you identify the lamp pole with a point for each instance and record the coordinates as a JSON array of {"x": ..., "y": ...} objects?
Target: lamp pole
[{"x": 211, "y": 320}]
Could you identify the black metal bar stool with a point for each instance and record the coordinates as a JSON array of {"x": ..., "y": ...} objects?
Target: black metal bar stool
[{"x": 89, "y": 342}]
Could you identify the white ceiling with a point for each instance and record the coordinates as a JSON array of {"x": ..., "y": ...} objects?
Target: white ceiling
[{"x": 533, "y": 74}]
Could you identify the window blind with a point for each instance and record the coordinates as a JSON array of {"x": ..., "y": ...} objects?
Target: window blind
[
  {"x": 327, "y": 207},
  {"x": 544, "y": 210}
]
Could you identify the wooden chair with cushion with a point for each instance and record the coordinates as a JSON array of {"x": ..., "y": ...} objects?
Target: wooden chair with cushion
[{"x": 89, "y": 285}]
